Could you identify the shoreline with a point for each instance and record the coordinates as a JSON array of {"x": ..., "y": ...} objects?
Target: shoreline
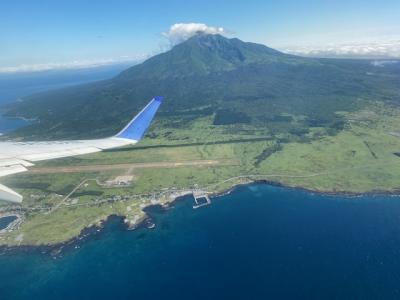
[
  {"x": 146, "y": 222},
  {"x": 332, "y": 194},
  {"x": 57, "y": 249}
]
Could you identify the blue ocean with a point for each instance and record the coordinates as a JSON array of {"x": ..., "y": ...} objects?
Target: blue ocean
[
  {"x": 10, "y": 124},
  {"x": 259, "y": 242},
  {"x": 15, "y": 86}
]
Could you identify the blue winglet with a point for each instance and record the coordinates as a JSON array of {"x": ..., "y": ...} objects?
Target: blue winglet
[{"x": 136, "y": 128}]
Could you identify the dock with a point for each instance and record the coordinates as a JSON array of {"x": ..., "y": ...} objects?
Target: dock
[{"x": 201, "y": 199}]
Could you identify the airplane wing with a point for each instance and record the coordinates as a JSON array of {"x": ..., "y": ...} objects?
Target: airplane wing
[{"x": 15, "y": 157}]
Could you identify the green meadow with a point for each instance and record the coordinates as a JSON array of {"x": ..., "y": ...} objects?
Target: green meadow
[{"x": 362, "y": 157}]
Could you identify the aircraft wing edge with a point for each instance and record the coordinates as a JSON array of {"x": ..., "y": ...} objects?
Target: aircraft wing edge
[
  {"x": 7, "y": 194},
  {"x": 132, "y": 133},
  {"x": 138, "y": 126}
]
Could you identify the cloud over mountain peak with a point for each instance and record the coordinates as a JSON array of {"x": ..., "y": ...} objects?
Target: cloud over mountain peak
[{"x": 180, "y": 32}]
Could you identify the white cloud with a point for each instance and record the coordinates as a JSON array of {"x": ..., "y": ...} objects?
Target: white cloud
[
  {"x": 76, "y": 64},
  {"x": 382, "y": 63},
  {"x": 180, "y": 32},
  {"x": 384, "y": 49}
]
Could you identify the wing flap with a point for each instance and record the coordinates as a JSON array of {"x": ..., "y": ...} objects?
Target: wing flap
[
  {"x": 14, "y": 169},
  {"x": 12, "y": 161},
  {"x": 59, "y": 154}
]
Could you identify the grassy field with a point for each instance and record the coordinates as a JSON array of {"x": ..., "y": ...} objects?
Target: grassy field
[{"x": 360, "y": 158}]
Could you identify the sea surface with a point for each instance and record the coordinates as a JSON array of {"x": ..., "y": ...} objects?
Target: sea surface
[
  {"x": 259, "y": 242},
  {"x": 5, "y": 221},
  {"x": 15, "y": 86},
  {"x": 9, "y": 124}
]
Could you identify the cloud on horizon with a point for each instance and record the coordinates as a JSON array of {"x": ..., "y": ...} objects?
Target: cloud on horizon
[
  {"x": 76, "y": 64},
  {"x": 177, "y": 33},
  {"x": 387, "y": 49},
  {"x": 180, "y": 32}
]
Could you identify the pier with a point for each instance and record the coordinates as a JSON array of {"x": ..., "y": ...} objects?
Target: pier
[{"x": 201, "y": 199}]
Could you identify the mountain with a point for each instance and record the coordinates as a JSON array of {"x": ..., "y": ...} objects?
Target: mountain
[
  {"x": 210, "y": 75},
  {"x": 202, "y": 55}
]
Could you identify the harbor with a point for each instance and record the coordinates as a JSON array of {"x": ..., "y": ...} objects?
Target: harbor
[
  {"x": 201, "y": 199},
  {"x": 10, "y": 221}
]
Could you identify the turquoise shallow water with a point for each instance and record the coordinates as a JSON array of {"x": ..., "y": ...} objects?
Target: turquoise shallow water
[{"x": 260, "y": 242}]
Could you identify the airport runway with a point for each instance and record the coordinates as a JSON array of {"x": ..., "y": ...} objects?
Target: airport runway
[{"x": 98, "y": 168}]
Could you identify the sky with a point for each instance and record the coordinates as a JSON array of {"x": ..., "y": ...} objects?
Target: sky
[{"x": 42, "y": 34}]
